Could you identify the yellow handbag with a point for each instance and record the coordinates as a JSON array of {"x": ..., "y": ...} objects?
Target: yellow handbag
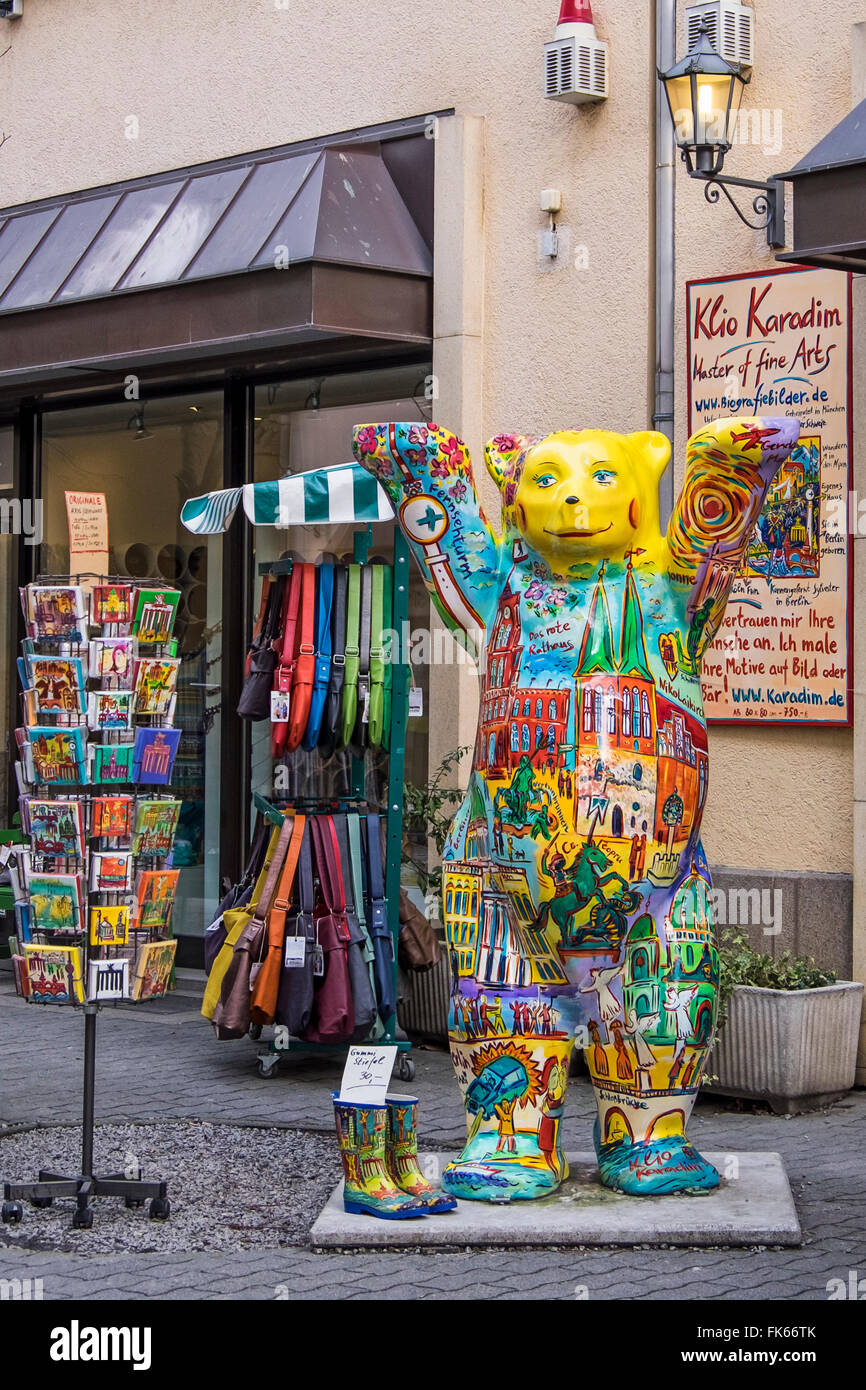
[{"x": 236, "y": 919}]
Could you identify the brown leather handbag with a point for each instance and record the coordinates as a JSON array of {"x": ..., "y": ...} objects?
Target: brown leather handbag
[
  {"x": 417, "y": 947},
  {"x": 263, "y": 1001},
  {"x": 333, "y": 1016},
  {"x": 231, "y": 1017}
]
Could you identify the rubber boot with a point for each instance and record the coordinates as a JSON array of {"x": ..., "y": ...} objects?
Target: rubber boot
[
  {"x": 369, "y": 1190},
  {"x": 402, "y": 1155}
]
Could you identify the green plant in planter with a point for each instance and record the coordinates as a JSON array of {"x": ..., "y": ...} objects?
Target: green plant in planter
[
  {"x": 741, "y": 964},
  {"x": 429, "y": 807}
]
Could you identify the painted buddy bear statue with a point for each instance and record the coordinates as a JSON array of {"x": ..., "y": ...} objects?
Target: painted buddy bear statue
[{"x": 576, "y": 893}]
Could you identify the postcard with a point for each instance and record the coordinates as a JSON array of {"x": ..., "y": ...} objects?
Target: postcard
[
  {"x": 111, "y": 871},
  {"x": 112, "y": 762},
  {"x": 59, "y": 682},
  {"x": 55, "y": 902},
  {"x": 155, "y": 752},
  {"x": 58, "y": 755},
  {"x": 111, "y": 817},
  {"x": 112, "y": 661},
  {"x": 155, "y": 826},
  {"x": 55, "y": 827},
  {"x": 155, "y": 612},
  {"x": 155, "y": 682},
  {"x": 107, "y": 980},
  {"x": 109, "y": 926},
  {"x": 111, "y": 603},
  {"x": 54, "y": 974},
  {"x": 56, "y": 610},
  {"x": 110, "y": 709},
  {"x": 153, "y": 968},
  {"x": 155, "y": 891}
]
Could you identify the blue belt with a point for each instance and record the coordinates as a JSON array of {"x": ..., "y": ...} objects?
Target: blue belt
[{"x": 324, "y": 597}]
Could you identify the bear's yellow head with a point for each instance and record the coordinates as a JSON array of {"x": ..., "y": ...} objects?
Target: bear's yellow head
[{"x": 581, "y": 495}]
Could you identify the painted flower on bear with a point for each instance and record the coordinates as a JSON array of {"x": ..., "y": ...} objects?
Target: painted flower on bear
[{"x": 368, "y": 439}]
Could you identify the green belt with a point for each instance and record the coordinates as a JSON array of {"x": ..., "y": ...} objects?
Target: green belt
[
  {"x": 390, "y": 656},
  {"x": 377, "y": 657},
  {"x": 349, "y": 707}
]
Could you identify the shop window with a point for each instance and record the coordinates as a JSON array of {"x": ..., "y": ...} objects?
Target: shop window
[{"x": 524, "y": 738}]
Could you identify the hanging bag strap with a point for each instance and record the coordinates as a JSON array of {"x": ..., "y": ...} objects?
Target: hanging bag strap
[
  {"x": 334, "y": 702},
  {"x": 259, "y": 628},
  {"x": 265, "y": 984},
  {"x": 390, "y": 655},
  {"x": 378, "y": 914},
  {"x": 304, "y": 661},
  {"x": 377, "y": 656},
  {"x": 353, "y": 651},
  {"x": 360, "y": 734},
  {"x": 285, "y": 654},
  {"x": 356, "y": 872},
  {"x": 324, "y": 601}
]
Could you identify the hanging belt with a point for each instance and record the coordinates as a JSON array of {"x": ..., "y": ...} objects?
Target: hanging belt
[
  {"x": 265, "y": 988},
  {"x": 283, "y": 674},
  {"x": 353, "y": 651},
  {"x": 378, "y": 915},
  {"x": 323, "y": 654},
  {"x": 377, "y": 656},
  {"x": 267, "y": 585},
  {"x": 390, "y": 655},
  {"x": 356, "y": 874},
  {"x": 304, "y": 661},
  {"x": 360, "y": 735},
  {"x": 334, "y": 702}
]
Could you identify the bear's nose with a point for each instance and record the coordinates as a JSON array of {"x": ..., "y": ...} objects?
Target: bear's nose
[{"x": 572, "y": 501}]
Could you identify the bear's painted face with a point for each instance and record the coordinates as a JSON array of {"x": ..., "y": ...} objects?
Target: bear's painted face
[{"x": 579, "y": 496}]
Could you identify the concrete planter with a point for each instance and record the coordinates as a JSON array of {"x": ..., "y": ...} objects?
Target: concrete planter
[{"x": 796, "y": 1049}]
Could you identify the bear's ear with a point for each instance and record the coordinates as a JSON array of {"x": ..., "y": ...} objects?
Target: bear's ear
[
  {"x": 653, "y": 449},
  {"x": 502, "y": 455}
]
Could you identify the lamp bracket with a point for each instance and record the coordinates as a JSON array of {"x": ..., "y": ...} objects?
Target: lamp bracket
[{"x": 769, "y": 204}]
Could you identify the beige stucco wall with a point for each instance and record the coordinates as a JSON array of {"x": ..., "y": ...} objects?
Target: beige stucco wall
[{"x": 549, "y": 349}]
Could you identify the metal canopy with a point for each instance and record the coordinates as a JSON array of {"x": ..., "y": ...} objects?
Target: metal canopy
[
  {"x": 238, "y": 258},
  {"x": 830, "y": 199}
]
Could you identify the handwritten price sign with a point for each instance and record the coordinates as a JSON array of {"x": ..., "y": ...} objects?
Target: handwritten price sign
[{"x": 367, "y": 1074}]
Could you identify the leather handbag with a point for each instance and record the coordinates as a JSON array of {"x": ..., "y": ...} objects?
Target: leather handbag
[
  {"x": 295, "y": 998},
  {"x": 332, "y": 1020},
  {"x": 231, "y": 1015},
  {"x": 324, "y": 602},
  {"x": 377, "y": 655},
  {"x": 363, "y": 994},
  {"x": 417, "y": 946},
  {"x": 237, "y": 896},
  {"x": 303, "y": 662},
  {"x": 377, "y": 923},
  {"x": 255, "y": 698},
  {"x": 286, "y": 650},
  {"x": 236, "y": 920},
  {"x": 267, "y": 585},
  {"x": 265, "y": 988}
]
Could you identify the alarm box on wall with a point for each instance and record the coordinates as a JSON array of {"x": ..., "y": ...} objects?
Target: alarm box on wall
[
  {"x": 730, "y": 28},
  {"x": 576, "y": 61}
]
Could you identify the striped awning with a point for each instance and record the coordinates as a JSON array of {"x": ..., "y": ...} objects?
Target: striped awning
[{"x": 326, "y": 496}]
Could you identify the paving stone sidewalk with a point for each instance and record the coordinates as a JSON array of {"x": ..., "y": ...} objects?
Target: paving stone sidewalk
[{"x": 161, "y": 1062}]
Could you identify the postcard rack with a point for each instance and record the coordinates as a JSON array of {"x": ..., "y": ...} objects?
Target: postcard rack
[
  {"x": 93, "y": 883},
  {"x": 355, "y": 799}
]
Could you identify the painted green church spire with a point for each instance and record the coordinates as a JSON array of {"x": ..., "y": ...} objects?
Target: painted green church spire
[
  {"x": 596, "y": 649},
  {"x": 632, "y": 647}
]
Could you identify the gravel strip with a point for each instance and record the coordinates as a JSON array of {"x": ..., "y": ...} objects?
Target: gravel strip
[{"x": 230, "y": 1187}]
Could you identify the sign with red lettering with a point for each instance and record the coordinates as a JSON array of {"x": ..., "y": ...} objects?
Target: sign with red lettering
[{"x": 766, "y": 344}]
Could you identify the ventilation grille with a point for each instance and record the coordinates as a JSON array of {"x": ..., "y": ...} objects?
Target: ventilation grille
[
  {"x": 730, "y": 29},
  {"x": 575, "y": 71}
]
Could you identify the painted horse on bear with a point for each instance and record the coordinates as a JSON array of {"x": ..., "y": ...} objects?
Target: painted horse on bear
[{"x": 576, "y": 893}]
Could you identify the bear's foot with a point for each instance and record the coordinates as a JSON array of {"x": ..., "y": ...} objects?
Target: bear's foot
[
  {"x": 484, "y": 1173},
  {"x": 655, "y": 1169}
]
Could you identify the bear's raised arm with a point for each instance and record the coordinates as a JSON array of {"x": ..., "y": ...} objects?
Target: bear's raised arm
[
  {"x": 427, "y": 473},
  {"x": 730, "y": 465}
]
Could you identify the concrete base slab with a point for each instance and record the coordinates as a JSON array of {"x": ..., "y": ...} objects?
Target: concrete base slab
[{"x": 753, "y": 1206}]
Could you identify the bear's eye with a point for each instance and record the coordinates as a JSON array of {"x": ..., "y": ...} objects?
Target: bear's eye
[
  {"x": 604, "y": 476},
  {"x": 545, "y": 480}
]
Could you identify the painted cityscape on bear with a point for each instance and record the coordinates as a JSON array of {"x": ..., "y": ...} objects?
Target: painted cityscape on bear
[{"x": 576, "y": 893}]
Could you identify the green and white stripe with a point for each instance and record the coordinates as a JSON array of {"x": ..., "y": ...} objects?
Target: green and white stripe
[{"x": 327, "y": 496}]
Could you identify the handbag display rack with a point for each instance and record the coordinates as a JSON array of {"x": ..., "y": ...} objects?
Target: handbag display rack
[
  {"x": 334, "y": 662},
  {"x": 135, "y": 968}
]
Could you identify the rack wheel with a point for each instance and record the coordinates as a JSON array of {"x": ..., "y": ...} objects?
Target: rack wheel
[
  {"x": 41, "y": 1201},
  {"x": 266, "y": 1066},
  {"x": 12, "y": 1213},
  {"x": 132, "y": 1202},
  {"x": 406, "y": 1068},
  {"x": 160, "y": 1209},
  {"x": 82, "y": 1218}
]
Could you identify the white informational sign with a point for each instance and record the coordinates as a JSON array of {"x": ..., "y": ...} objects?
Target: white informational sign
[
  {"x": 87, "y": 515},
  {"x": 367, "y": 1074}
]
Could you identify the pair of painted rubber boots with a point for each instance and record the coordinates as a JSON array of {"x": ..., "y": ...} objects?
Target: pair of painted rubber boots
[{"x": 379, "y": 1149}]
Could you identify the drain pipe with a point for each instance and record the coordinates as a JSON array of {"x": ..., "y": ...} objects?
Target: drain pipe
[{"x": 665, "y": 259}]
